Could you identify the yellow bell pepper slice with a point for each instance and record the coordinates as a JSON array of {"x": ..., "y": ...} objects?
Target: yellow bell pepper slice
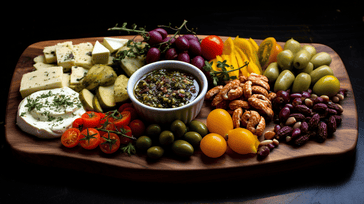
[
  {"x": 254, "y": 44},
  {"x": 228, "y": 47},
  {"x": 249, "y": 49}
]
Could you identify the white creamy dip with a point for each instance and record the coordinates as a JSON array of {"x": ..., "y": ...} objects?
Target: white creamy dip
[{"x": 49, "y": 113}]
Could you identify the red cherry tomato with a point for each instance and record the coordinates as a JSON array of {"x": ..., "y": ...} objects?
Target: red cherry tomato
[
  {"x": 109, "y": 143},
  {"x": 137, "y": 127},
  {"x": 70, "y": 138},
  {"x": 124, "y": 119},
  {"x": 127, "y": 131},
  {"x": 91, "y": 119},
  {"x": 125, "y": 105},
  {"x": 211, "y": 46},
  {"x": 90, "y": 138}
]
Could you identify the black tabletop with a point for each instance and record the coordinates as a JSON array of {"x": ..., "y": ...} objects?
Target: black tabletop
[{"x": 342, "y": 29}]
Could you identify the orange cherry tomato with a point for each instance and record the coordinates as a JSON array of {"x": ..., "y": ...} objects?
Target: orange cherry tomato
[
  {"x": 109, "y": 143},
  {"x": 211, "y": 46},
  {"x": 91, "y": 119},
  {"x": 89, "y": 138},
  {"x": 266, "y": 52},
  {"x": 70, "y": 138}
]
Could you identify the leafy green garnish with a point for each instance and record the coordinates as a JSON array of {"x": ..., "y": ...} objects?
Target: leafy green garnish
[{"x": 219, "y": 77}]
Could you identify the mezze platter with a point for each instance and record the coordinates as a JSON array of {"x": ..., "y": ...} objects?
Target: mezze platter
[{"x": 169, "y": 168}]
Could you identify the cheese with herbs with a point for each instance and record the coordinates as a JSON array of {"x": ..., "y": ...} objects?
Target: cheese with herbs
[
  {"x": 77, "y": 74},
  {"x": 65, "y": 55},
  {"x": 50, "y": 54},
  {"x": 83, "y": 54},
  {"x": 49, "y": 113},
  {"x": 49, "y": 78},
  {"x": 100, "y": 54}
]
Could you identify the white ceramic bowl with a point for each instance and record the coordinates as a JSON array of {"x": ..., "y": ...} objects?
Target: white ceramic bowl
[{"x": 184, "y": 113}]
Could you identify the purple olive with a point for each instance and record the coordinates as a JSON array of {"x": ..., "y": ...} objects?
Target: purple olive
[
  {"x": 162, "y": 32},
  {"x": 171, "y": 54},
  {"x": 182, "y": 43},
  {"x": 284, "y": 95},
  {"x": 183, "y": 56},
  {"x": 198, "y": 61},
  {"x": 284, "y": 114},
  {"x": 195, "y": 47},
  {"x": 153, "y": 55},
  {"x": 155, "y": 37}
]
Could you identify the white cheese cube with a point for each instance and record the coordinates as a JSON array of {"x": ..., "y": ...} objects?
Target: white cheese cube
[
  {"x": 65, "y": 55},
  {"x": 66, "y": 80},
  {"x": 83, "y": 54},
  {"x": 50, "y": 54},
  {"x": 41, "y": 65},
  {"x": 39, "y": 58},
  {"x": 100, "y": 54},
  {"x": 114, "y": 44},
  {"x": 77, "y": 74},
  {"x": 40, "y": 80}
]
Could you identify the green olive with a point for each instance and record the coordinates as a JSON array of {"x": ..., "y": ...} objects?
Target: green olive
[
  {"x": 155, "y": 152},
  {"x": 272, "y": 72},
  {"x": 199, "y": 127},
  {"x": 153, "y": 130},
  {"x": 143, "y": 142},
  {"x": 284, "y": 81},
  {"x": 322, "y": 58},
  {"x": 301, "y": 59},
  {"x": 182, "y": 148},
  {"x": 193, "y": 138},
  {"x": 285, "y": 59},
  {"x": 310, "y": 49},
  {"x": 166, "y": 137},
  {"x": 308, "y": 69},
  {"x": 301, "y": 83},
  {"x": 178, "y": 128},
  {"x": 328, "y": 85},
  {"x": 320, "y": 72},
  {"x": 292, "y": 45}
]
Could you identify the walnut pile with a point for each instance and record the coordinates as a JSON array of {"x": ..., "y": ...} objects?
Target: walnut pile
[{"x": 248, "y": 100}]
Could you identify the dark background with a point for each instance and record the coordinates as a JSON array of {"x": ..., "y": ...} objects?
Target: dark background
[{"x": 342, "y": 29}]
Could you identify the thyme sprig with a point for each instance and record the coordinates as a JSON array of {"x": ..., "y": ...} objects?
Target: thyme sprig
[{"x": 219, "y": 77}]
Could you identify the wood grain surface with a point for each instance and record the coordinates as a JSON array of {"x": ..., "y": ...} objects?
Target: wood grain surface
[{"x": 170, "y": 168}]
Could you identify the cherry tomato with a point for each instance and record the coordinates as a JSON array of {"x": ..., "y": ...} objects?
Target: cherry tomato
[
  {"x": 107, "y": 126},
  {"x": 137, "y": 127},
  {"x": 125, "y": 105},
  {"x": 134, "y": 114},
  {"x": 267, "y": 52},
  {"x": 211, "y": 46},
  {"x": 70, "y": 138},
  {"x": 78, "y": 123},
  {"x": 124, "y": 120},
  {"x": 90, "y": 138},
  {"x": 127, "y": 131},
  {"x": 91, "y": 119},
  {"x": 109, "y": 143}
]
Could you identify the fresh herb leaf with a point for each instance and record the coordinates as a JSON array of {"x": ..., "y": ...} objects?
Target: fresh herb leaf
[{"x": 219, "y": 77}]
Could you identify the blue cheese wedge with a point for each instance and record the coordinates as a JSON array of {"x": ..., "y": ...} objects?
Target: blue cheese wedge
[
  {"x": 49, "y": 113},
  {"x": 50, "y": 54},
  {"x": 83, "y": 54},
  {"x": 65, "y": 55},
  {"x": 100, "y": 54},
  {"x": 77, "y": 74},
  {"x": 114, "y": 44},
  {"x": 41, "y": 79}
]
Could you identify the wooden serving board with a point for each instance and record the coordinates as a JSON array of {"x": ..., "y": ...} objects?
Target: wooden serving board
[{"x": 170, "y": 168}]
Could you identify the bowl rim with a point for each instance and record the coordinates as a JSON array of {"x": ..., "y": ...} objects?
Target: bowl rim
[{"x": 203, "y": 83}]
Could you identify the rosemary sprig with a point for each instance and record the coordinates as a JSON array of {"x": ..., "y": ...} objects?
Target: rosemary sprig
[{"x": 219, "y": 77}]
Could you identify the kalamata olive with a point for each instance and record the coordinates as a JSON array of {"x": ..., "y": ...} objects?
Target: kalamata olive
[
  {"x": 284, "y": 114},
  {"x": 171, "y": 54},
  {"x": 297, "y": 101},
  {"x": 284, "y": 95},
  {"x": 183, "y": 56},
  {"x": 290, "y": 106},
  {"x": 182, "y": 43},
  {"x": 155, "y": 37},
  {"x": 198, "y": 61},
  {"x": 306, "y": 94},
  {"x": 162, "y": 32},
  {"x": 194, "y": 47},
  {"x": 295, "y": 133},
  {"x": 295, "y": 95},
  {"x": 277, "y": 128}
]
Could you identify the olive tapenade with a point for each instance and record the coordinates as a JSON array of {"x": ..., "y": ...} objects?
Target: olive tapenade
[{"x": 166, "y": 88}]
